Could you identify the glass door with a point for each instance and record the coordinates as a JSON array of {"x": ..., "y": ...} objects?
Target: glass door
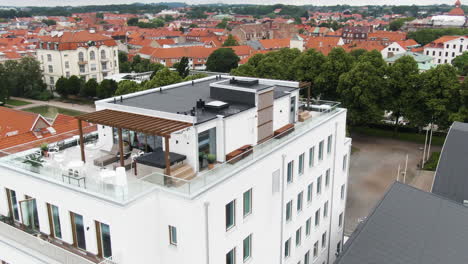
[
  {"x": 29, "y": 213},
  {"x": 13, "y": 205},
  {"x": 78, "y": 229},
  {"x": 104, "y": 240}
]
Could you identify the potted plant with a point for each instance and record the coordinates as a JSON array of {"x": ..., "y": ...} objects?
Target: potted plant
[
  {"x": 35, "y": 161},
  {"x": 211, "y": 158},
  {"x": 44, "y": 149}
]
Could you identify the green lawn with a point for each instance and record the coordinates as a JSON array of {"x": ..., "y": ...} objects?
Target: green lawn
[
  {"x": 51, "y": 111},
  {"x": 431, "y": 164},
  {"x": 15, "y": 102},
  {"x": 404, "y": 136}
]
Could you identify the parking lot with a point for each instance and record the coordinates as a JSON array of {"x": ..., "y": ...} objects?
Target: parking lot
[{"x": 374, "y": 167}]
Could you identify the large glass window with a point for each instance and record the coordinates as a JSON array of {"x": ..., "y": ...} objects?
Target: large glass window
[
  {"x": 78, "y": 228},
  {"x": 231, "y": 256},
  {"x": 329, "y": 144},
  {"x": 13, "y": 204},
  {"x": 311, "y": 156},
  {"x": 288, "y": 211},
  {"x": 298, "y": 236},
  {"x": 310, "y": 189},
  {"x": 81, "y": 56},
  {"x": 92, "y": 55},
  {"x": 54, "y": 218},
  {"x": 290, "y": 171},
  {"x": 301, "y": 164},
  {"x": 247, "y": 248},
  {"x": 206, "y": 145},
  {"x": 247, "y": 202},
  {"x": 103, "y": 54},
  {"x": 317, "y": 217},
  {"x": 308, "y": 223},
  {"x": 173, "y": 235},
  {"x": 230, "y": 214},
  {"x": 319, "y": 185},
  {"x": 320, "y": 156},
  {"x": 287, "y": 248},
  {"x": 327, "y": 177},
  {"x": 106, "y": 247},
  {"x": 29, "y": 213},
  {"x": 300, "y": 197},
  {"x": 307, "y": 257}
]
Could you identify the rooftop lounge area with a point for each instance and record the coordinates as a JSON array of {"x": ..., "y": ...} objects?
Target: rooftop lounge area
[{"x": 80, "y": 162}]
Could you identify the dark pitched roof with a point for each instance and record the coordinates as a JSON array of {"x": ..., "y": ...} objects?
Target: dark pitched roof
[
  {"x": 451, "y": 179},
  {"x": 410, "y": 226}
]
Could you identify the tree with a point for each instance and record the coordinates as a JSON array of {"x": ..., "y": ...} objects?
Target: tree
[
  {"x": 126, "y": 87},
  {"x": 306, "y": 67},
  {"x": 162, "y": 78},
  {"x": 123, "y": 57},
  {"x": 183, "y": 67},
  {"x": 398, "y": 23},
  {"x": 336, "y": 63},
  {"x": 222, "y": 60},
  {"x": 61, "y": 87},
  {"x": 106, "y": 88},
  {"x": 49, "y": 22},
  {"x": 100, "y": 15},
  {"x": 357, "y": 53},
  {"x": 462, "y": 114},
  {"x": 244, "y": 70},
  {"x": 403, "y": 87},
  {"x": 195, "y": 76},
  {"x": 361, "y": 92},
  {"x": 223, "y": 24},
  {"x": 427, "y": 35},
  {"x": 24, "y": 78},
  {"x": 74, "y": 85},
  {"x": 277, "y": 64},
  {"x": 461, "y": 63},
  {"x": 230, "y": 41},
  {"x": 132, "y": 21},
  {"x": 90, "y": 88},
  {"x": 4, "y": 89}
]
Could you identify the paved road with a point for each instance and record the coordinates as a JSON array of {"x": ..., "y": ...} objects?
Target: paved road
[
  {"x": 77, "y": 107},
  {"x": 374, "y": 167}
]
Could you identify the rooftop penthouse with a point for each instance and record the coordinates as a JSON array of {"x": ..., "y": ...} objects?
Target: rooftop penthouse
[{"x": 183, "y": 138}]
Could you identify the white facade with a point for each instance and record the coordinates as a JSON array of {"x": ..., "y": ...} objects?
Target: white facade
[
  {"x": 96, "y": 63},
  {"x": 447, "y": 51},
  {"x": 198, "y": 210},
  {"x": 392, "y": 50}
]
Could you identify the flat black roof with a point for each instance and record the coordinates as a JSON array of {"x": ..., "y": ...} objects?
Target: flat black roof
[
  {"x": 183, "y": 98},
  {"x": 451, "y": 179},
  {"x": 410, "y": 226}
]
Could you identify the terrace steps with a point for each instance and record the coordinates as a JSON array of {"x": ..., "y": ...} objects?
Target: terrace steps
[{"x": 185, "y": 173}]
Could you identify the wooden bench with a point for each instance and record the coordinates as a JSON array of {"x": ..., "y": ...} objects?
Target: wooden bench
[
  {"x": 238, "y": 154},
  {"x": 283, "y": 131},
  {"x": 303, "y": 116}
]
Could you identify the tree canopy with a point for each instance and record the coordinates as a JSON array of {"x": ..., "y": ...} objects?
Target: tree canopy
[{"x": 222, "y": 60}]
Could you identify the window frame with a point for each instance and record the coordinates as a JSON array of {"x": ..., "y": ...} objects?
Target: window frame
[
  {"x": 233, "y": 211},
  {"x": 172, "y": 235},
  {"x": 249, "y": 239},
  {"x": 249, "y": 212},
  {"x": 290, "y": 172},
  {"x": 301, "y": 164}
]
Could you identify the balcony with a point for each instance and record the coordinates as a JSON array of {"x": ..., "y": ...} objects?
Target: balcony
[
  {"x": 182, "y": 180},
  {"x": 82, "y": 62},
  {"x": 40, "y": 244}
]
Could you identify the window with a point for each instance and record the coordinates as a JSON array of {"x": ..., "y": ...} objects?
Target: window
[
  {"x": 82, "y": 68},
  {"x": 13, "y": 204},
  {"x": 67, "y": 64},
  {"x": 345, "y": 161},
  {"x": 230, "y": 214},
  {"x": 78, "y": 231},
  {"x": 287, "y": 248},
  {"x": 231, "y": 256},
  {"x": 340, "y": 220},
  {"x": 54, "y": 221},
  {"x": 342, "y": 192},
  {"x": 80, "y": 56},
  {"x": 288, "y": 211},
  {"x": 310, "y": 189},
  {"x": 49, "y": 57},
  {"x": 301, "y": 164},
  {"x": 319, "y": 185},
  {"x": 308, "y": 223},
  {"x": 327, "y": 177},
  {"x": 247, "y": 248},
  {"x": 325, "y": 210},
  {"x": 315, "y": 249},
  {"x": 173, "y": 235},
  {"x": 329, "y": 144},
  {"x": 104, "y": 240},
  {"x": 446, "y": 54},
  {"x": 247, "y": 202},
  {"x": 298, "y": 236},
  {"x": 67, "y": 74},
  {"x": 307, "y": 257},
  {"x": 317, "y": 217},
  {"x": 427, "y": 52},
  {"x": 338, "y": 247},
  {"x": 320, "y": 157},
  {"x": 453, "y": 54},
  {"x": 324, "y": 239},
  {"x": 51, "y": 80},
  {"x": 290, "y": 171},
  {"x": 51, "y": 69},
  {"x": 92, "y": 55},
  {"x": 433, "y": 53},
  {"x": 104, "y": 66},
  {"x": 103, "y": 54},
  {"x": 299, "y": 201},
  {"x": 93, "y": 67},
  {"x": 311, "y": 156}
]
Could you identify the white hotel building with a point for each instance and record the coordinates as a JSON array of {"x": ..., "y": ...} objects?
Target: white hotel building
[
  {"x": 278, "y": 199},
  {"x": 445, "y": 49},
  {"x": 84, "y": 53}
]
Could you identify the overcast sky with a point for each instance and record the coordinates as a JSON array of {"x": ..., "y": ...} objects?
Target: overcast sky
[{"x": 295, "y": 2}]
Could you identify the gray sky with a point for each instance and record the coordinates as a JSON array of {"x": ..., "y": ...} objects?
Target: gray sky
[{"x": 295, "y": 2}]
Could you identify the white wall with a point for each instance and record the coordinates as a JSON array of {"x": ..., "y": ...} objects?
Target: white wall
[
  {"x": 240, "y": 129},
  {"x": 281, "y": 111}
]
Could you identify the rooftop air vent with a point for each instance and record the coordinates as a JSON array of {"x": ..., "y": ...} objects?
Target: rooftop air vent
[{"x": 216, "y": 105}]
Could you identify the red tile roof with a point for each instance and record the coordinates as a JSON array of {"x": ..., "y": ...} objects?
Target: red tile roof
[
  {"x": 73, "y": 40},
  {"x": 271, "y": 44},
  {"x": 439, "y": 43}
]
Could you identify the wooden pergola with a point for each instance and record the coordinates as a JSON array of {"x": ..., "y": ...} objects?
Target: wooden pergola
[{"x": 139, "y": 123}]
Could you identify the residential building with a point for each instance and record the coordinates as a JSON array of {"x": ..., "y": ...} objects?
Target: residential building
[
  {"x": 409, "y": 226},
  {"x": 424, "y": 62},
  {"x": 355, "y": 33},
  {"x": 266, "y": 30},
  {"x": 85, "y": 54},
  {"x": 398, "y": 47},
  {"x": 450, "y": 180},
  {"x": 446, "y": 48},
  {"x": 163, "y": 203}
]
